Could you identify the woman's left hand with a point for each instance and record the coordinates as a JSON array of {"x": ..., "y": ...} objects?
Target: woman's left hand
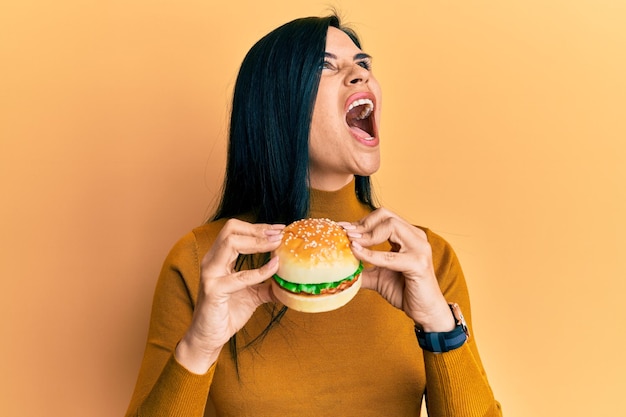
[{"x": 405, "y": 276}]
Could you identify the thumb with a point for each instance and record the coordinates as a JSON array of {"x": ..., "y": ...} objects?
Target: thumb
[
  {"x": 369, "y": 278},
  {"x": 263, "y": 291}
]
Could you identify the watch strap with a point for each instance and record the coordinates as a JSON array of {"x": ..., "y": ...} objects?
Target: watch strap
[{"x": 440, "y": 342}]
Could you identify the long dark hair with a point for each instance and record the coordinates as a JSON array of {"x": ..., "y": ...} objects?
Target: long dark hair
[
  {"x": 268, "y": 155},
  {"x": 267, "y": 174}
]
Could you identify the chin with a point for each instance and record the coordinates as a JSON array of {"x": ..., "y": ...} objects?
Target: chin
[{"x": 370, "y": 168}]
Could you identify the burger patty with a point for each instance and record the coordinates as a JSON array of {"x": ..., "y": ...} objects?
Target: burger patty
[
  {"x": 344, "y": 285},
  {"x": 321, "y": 288}
]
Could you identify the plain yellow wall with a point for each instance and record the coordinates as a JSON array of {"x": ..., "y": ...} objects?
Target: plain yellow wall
[{"x": 503, "y": 130}]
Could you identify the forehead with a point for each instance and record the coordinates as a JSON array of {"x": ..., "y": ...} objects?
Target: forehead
[{"x": 338, "y": 43}]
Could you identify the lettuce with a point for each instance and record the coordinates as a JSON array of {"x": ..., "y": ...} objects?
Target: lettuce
[{"x": 314, "y": 288}]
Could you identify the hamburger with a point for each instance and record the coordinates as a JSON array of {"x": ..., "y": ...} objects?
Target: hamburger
[{"x": 317, "y": 270}]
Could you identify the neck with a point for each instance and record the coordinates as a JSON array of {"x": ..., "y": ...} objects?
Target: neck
[{"x": 330, "y": 183}]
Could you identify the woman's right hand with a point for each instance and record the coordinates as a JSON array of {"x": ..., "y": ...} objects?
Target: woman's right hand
[{"x": 227, "y": 298}]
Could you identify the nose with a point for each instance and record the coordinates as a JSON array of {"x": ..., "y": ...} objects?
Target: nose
[{"x": 358, "y": 75}]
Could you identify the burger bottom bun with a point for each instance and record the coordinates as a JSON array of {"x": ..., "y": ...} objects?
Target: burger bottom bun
[{"x": 316, "y": 303}]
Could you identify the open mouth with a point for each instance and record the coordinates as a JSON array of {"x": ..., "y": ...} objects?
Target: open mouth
[{"x": 359, "y": 118}]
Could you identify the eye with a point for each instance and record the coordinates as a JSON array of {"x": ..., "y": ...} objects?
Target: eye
[
  {"x": 365, "y": 63},
  {"x": 327, "y": 65}
]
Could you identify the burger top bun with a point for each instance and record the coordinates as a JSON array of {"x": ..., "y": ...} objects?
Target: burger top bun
[{"x": 315, "y": 251}]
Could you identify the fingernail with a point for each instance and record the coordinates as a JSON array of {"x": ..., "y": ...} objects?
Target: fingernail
[
  {"x": 356, "y": 246},
  {"x": 272, "y": 232},
  {"x": 274, "y": 238},
  {"x": 272, "y": 262},
  {"x": 355, "y": 235},
  {"x": 346, "y": 225}
]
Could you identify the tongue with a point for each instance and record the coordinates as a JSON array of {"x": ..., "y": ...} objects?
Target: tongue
[{"x": 360, "y": 132}]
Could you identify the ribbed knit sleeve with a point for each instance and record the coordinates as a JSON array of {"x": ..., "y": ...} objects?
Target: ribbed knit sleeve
[
  {"x": 456, "y": 383},
  {"x": 177, "y": 392},
  {"x": 164, "y": 387}
]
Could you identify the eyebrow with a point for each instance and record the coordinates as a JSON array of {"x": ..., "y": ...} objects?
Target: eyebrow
[{"x": 357, "y": 57}]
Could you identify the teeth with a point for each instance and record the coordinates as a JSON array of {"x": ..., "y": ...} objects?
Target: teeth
[{"x": 367, "y": 110}]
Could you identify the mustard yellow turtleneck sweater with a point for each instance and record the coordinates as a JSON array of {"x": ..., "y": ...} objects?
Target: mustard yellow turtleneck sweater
[{"x": 360, "y": 360}]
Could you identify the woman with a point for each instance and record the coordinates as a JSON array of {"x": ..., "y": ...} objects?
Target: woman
[{"x": 303, "y": 142}]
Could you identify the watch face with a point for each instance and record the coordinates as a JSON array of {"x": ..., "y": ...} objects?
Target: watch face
[{"x": 458, "y": 316}]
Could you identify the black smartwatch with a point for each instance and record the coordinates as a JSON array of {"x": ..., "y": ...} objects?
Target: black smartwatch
[{"x": 445, "y": 341}]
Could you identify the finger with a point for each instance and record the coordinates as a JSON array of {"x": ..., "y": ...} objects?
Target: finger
[
  {"x": 383, "y": 224},
  {"x": 369, "y": 277},
  {"x": 379, "y": 219},
  {"x": 241, "y": 228},
  {"x": 400, "y": 234},
  {"x": 369, "y": 221},
  {"x": 376, "y": 217},
  {"x": 238, "y": 237},
  {"x": 347, "y": 225},
  {"x": 244, "y": 279},
  {"x": 262, "y": 293},
  {"x": 404, "y": 262}
]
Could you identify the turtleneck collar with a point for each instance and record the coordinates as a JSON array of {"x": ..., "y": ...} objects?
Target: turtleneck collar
[{"x": 340, "y": 205}]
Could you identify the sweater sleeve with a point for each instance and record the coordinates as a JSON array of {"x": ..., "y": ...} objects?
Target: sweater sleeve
[
  {"x": 456, "y": 383},
  {"x": 164, "y": 387}
]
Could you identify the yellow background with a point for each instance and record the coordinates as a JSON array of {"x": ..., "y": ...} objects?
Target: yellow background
[{"x": 503, "y": 130}]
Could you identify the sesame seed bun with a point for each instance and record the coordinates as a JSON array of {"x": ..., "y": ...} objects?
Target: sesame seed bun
[{"x": 317, "y": 269}]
